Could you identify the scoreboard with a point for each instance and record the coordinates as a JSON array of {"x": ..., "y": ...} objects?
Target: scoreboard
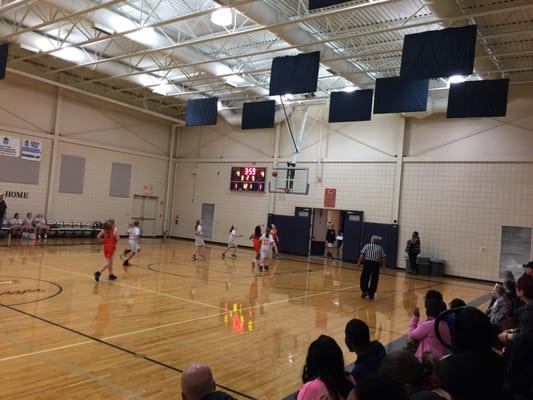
[{"x": 248, "y": 179}]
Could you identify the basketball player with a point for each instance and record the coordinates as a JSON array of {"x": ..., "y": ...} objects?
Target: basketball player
[
  {"x": 232, "y": 242},
  {"x": 134, "y": 244},
  {"x": 274, "y": 232},
  {"x": 109, "y": 238},
  {"x": 267, "y": 243},
  {"x": 256, "y": 240},
  {"x": 199, "y": 243}
]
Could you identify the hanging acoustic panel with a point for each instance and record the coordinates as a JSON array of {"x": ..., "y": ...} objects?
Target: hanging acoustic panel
[
  {"x": 437, "y": 54},
  {"x": 314, "y": 4},
  {"x": 394, "y": 95},
  {"x": 258, "y": 115},
  {"x": 4, "y": 49},
  {"x": 202, "y": 112},
  {"x": 478, "y": 99},
  {"x": 351, "y": 106},
  {"x": 294, "y": 74}
]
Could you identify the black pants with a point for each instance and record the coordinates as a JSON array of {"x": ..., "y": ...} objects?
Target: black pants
[
  {"x": 412, "y": 261},
  {"x": 370, "y": 273}
]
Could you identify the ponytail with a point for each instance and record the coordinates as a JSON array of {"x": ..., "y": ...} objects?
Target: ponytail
[{"x": 231, "y": 229}]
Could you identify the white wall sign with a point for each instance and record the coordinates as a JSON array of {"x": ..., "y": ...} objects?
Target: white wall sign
[
  {"x": 9, "y": 146},
  {"x": 31, "y": 150}
]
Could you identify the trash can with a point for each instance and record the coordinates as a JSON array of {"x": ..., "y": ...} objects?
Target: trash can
[
  {"x": 424, "y": 265},
  {"x": 437, "y": 267}
]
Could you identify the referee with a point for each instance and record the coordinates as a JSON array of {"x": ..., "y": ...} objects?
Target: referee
[{"x": 374, "y": 257}]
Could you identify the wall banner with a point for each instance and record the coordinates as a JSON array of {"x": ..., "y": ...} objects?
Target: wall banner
[
  {"x": 31, "y": 150},
  {"x": 9, "y": 146}
]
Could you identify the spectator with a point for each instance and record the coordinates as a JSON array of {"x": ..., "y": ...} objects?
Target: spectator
[
  {"x": 369, "y": 353},
  {"x": 15, "y": 225},
  {"x": 27, "y": 225},
  {"x": 528, "y": 268},
  {"x": 413, "y": 250},
  {"x": 373, "y": 257},
  {"x": 456, "y": 303},
  {"x": 509, "y": 283},
  {"x": 519, "y": 342},
  {"x": 473, "y": 370},
  {"x": 433, "y": 294},
  {"x": 407, "y": 372},
  {"x": 197, "y": 383},
  {"x": 377, "y": 388},
  {"x": 501, "y": 308},
  {"x": 42, "y": 228},
  {"x": 323, "y": 376},
  {"x": 424, "y": 332},
  {"x": 3, "y": 208}
]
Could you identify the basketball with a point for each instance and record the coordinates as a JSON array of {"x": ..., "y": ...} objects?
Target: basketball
[{"x": 274, "y": 173}]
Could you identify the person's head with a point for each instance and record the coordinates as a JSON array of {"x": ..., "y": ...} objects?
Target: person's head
[
  {"x": 433, "y": 294},
  {"x": 404, "y": 369},
  {"x": 1, "y": 196},
  {"x": 375, "y": 239},
  {"x": 136, "y": 223},
  {"x": 375, "y": 387},
  {"x": 28, "y": 215},
  {"x": 508, "y": 276},
  {"x": 198, "y": 222},
  {"x": 325, "y": 361},
  {"x": 17, "y": 215},
  {"x": 524, "y": 287},
  {"x": 430, "y": 370},
  {"x": 456, "y": 303},
  {"x": 529, "y": 268},
  {"x": 434, "y": 307},
  {"x": 267, "y": 232},
  {"x": 257, "y": 231},
  {"x": 272, "y": 227},
  {"x": 356, "y": 335},
  {"x": 107, "y": 226},
  {"x": 111, "y": 221},
  {"x": 232, "y": 228},
  {"x": 472, "y": 331},
  {"x": 415, "y": 234},
  {"x": 196, "y": 381},
  {"x": 499, "y": 290}
]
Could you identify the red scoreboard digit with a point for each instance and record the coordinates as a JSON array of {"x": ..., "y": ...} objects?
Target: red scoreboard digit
[{"x": 248, "y": 179}]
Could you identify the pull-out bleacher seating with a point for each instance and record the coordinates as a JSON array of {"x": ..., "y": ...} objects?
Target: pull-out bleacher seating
[{"x": 64, "y": 228}]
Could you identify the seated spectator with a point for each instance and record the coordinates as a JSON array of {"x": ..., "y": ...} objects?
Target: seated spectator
[
  {"x": 15, "y": 225},
  {"x": 402, "y": 368},
  {"x": 501, "y": 308},
  {"x": 27, "y": 225},
  {"x": 519, "y": 342},
  {"x": 473, "y": 370},
  {"x": 528, "y": 268},
  {"x": 369, "y": 353},
  {"x": 40, "y": 225},
  {"x": 377, "y": 388},
  {"x": 509, "y": 283},
  {"x": 197, "y": 383},
  {"x": 456, "y": 303},
  {"x": 323, "y": 376},
  {"x": 424, "y": 331}
]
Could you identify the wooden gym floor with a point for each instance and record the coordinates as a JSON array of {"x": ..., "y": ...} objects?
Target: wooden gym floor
[{"x": 62, "y": 336}]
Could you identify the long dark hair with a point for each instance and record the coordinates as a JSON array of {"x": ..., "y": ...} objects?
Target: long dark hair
[
  {"x": 325, "y": 361},
  {"x": 257, "y": 231},
  {"x": 197, "y": 223},
  {"x": 232, "y": 227},
  {"x": 267, "y": 232}
]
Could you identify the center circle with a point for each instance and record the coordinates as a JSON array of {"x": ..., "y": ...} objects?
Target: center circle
[{"x": 18, "y": 290}]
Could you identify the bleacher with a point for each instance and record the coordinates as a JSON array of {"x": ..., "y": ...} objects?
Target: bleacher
[{"x": 66, "y": 228}]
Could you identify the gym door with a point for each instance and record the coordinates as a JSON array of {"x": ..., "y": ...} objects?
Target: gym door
[{"x": 145, "y": 211}]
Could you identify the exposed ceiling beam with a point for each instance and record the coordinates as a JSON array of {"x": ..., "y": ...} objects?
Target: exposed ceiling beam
[
  {"x": 210, "y": 38},
  {"x": 61, "y": 19},
  {"x": 157, "y": 24}
]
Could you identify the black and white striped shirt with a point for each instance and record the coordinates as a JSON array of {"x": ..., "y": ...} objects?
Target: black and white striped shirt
[{"x": 373, "y": 252}]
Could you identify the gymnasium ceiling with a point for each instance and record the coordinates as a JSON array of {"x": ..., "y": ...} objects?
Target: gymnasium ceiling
[{"x": 156, "y": 54}]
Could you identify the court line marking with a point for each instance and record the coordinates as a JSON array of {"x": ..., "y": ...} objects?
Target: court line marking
[
  {"x": 129, "y": 286},
  {"x": 114, "y": 346},
  {"x": 74, "y": 368}
]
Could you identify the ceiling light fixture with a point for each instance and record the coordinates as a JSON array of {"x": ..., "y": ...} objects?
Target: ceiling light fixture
[
  {"x": 456, "y": 79},
  {"x": 222, "y": 17},
  {"x": 164, "y": 89}
]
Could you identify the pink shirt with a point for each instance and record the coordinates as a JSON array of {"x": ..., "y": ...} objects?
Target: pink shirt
[
  {"x": 424, "y": 333},
  {"x": 317, "y": 390}
]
